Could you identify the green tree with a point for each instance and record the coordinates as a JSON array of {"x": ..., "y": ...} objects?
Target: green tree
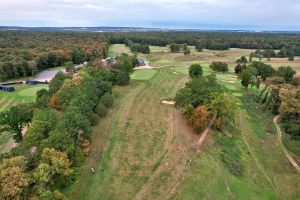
[
  {"x": 247, "y": 76},
  {"x": 242, "y": 60},
  {"x": 42, "y": 98},
  {"x": 286, "y": 72},
  {"x": 195, "y": 70},
  {"x": 43, "y": 122},
  {"x": 107, "y": 100},
  {"x": 69, "y": 66},
  {"x": 15, "y": 119},
  {"x": 53, "y": 164},
  {"x": 122, "y": 77},
  {"x": 187, "y": 51},
  {"x": 219, "y": 66},
  {"x": 56, "y": 82}
]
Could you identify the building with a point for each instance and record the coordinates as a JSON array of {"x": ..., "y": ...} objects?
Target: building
[
  {"x": 7, "y": 88},
  {"x": 141, "y": 62},
  {"x": 32, "y": 82}
]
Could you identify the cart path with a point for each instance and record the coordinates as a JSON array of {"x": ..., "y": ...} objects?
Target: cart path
[{"x": 279, "y": 133}]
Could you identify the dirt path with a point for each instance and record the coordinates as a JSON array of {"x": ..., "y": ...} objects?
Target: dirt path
[
  {"x": 205, "y": 132},
  {"x": 279, "y": 133}
]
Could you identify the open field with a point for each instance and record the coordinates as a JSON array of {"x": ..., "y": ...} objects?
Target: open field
[
  {"x": 140, "y": 150},
  {"x": 117, "y": 49},
  {"x": 23, "y": 94}
]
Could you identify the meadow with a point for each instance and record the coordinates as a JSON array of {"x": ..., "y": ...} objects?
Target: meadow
[{"x": 140, "y": 150}]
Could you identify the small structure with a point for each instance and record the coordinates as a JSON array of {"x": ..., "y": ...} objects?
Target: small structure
[
  {"x": 7, "y": 88},
  {"x": 141, "y": 62},
  {"x": 32, "y": 82}
]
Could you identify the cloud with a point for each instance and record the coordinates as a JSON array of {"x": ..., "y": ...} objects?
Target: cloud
[{"x": 271, "y": 14}]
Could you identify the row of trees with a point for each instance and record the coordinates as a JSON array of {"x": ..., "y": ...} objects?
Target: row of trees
[
  {"x": 281, "y": 92},
  {"x": 25, "y": 53},
  {"x": 137, "y": 47},
  {"x": 176, "y": 48},
  {"x": 209, "y": 40},
  {"x": 282, "y": 53},
  {"x": 58, "y": 136}
]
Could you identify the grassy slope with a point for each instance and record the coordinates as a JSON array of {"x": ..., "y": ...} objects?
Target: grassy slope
[{"x": 141, "y": 148}]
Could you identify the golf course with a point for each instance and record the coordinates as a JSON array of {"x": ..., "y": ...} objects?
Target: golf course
[{"x": 144, "y": 149}]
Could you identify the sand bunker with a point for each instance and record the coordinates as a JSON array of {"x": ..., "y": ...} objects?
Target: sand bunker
[
  {"x": 228, "y": 81},
  {"x": 167, "y": 101}
]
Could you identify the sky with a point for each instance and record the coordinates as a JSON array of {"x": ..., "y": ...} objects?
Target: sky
[{"x": 195, "y": 14}]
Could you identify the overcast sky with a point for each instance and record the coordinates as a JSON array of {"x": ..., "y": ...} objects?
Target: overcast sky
[{"x": 205, "y": 14}]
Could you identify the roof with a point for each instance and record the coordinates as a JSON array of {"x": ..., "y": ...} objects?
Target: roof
[{"x": 5, "y": 86}]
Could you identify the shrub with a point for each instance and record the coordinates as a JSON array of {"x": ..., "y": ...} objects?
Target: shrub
[
  {"x": 219, "y": 66},
  {"x": 107, "y": 100},
  {"x": 195, "y": 70},
  {"x": 95, "y": 119},
  {"x": 122, "y": 78},
  {"x": 101, "y": 110}
]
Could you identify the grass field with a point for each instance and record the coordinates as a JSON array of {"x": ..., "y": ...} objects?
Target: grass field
[
  {"x": 140, "y": 150},
  {"x": 143, "y": 74},
  {"x": 117, "y": 49},
  {"x": 23, "y": 94}
]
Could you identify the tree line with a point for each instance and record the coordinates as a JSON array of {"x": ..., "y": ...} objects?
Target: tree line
[
  {"x": 284, "y": 52},
  {"x": 24, "y": 53},
  {"x": 137, "y": 47},
  {"x": 59, "y": 125},
  {"x": 281, "y": 91},
  {"x": 209, "y": 40}
]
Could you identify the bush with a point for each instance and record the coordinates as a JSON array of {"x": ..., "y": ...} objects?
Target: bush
[
  {"x": 219, "y": 66},
  {"x": 101, "y": 110},
  {"x": 107, "y": 100},
  {"x": 195, "y": 70},
  {"x": 95, "y": 119},
  {"x": 122, "y": 78}
]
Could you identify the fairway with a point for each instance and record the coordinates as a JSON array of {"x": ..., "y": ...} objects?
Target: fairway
[
  {"x": 23, "y": 94},
  {"x": 143, "y": 74},
  {"x": 143, "y": 144},
  {"x": 117, "y": 49}
]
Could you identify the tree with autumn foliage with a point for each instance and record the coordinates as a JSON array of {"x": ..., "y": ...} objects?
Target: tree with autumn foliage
[
  {"x": 53, "y": 164},
  {"x": 13, "y": 178},
  {"x": 199, "y": 119}
]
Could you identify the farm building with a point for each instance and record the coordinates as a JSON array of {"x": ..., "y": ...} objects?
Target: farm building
[
  {"x": 7, "y": 88},
  {"x": 32, "y": 82}
]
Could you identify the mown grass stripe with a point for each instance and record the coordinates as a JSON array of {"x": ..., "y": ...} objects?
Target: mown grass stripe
[{"x": 6, "y": 105}]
